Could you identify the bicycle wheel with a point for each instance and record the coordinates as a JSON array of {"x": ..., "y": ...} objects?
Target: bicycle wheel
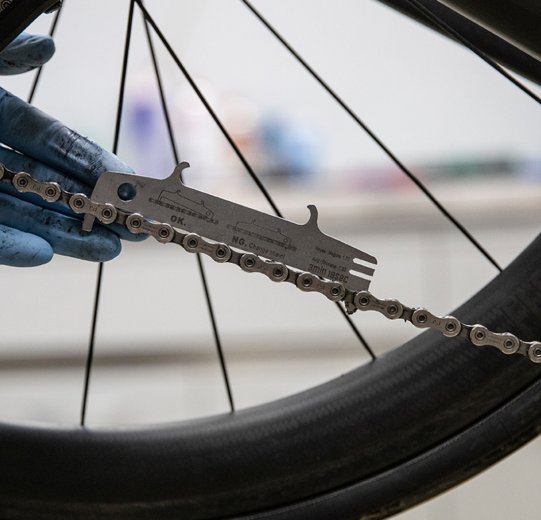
[{"x": 379, "y": 439}]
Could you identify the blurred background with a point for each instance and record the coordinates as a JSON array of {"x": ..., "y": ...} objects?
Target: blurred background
[{"x": 470, "y": 135}]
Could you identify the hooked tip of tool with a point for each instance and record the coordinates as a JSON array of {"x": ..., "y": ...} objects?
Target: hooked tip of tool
[
  {"x": 179, "y": 169},
  {"x": 313, "y": 215}
]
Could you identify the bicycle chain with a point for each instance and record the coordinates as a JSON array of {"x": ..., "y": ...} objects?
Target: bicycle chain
[{"x": 392, "y": 309}]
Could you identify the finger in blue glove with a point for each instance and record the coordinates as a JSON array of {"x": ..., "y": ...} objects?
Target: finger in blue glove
[
  {"x": 19, "y": 249},
  {"x": 38, "y": 135},
  {"x": 62, "y": 232},
  {"x": 26, "y": 52}
]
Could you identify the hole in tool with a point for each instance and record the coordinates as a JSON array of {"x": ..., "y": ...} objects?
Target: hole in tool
[{"x": 126, "y": 191}]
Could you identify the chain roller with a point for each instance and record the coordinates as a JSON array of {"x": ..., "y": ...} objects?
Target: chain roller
[
  {"x": 193, "y": 243},
  {"x": 309, "y": 282},
  {"x": 49, "y": 191},
  {"x": 449, "y": 326},
  {"x": 366, "y": 301},
  {"x": 392, "y": 309},
  {"x": 251, "y": 263},
  {"x": 137, "y": 224},
  {"x": 533, "y": 350},
  {"x": 506, "y": 342}
]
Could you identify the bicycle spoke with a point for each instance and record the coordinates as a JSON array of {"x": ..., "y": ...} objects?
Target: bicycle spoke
[
  {"x": 90, "y": 353},
  {"x": 434, "y": 18},
  {"x": 420, "y": 185},
  {"x": 236, "y": 149},
  {"x": 200, "y": 265},
  {"x": 217, "y": 340},
  {"x": 210, "y": 110},
  {"x": 37, "y": 77},
  {"x": 92, "y": 340},
  {"x": 356, "y": 331}
]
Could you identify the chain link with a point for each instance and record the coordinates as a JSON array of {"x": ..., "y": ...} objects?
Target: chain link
[{"x": 392, "y": 309}]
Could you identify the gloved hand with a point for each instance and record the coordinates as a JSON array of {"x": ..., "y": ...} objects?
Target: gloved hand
[{"x": 31, "y": 230}]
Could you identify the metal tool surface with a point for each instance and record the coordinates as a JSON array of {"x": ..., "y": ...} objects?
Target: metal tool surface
[{"x": 303, "y": 246}]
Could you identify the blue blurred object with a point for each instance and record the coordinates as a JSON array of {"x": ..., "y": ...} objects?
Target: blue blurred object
[
  {"x": 147, "y": 128},
  {"x": 291, "y": 149},
  {"x": 31, "y": 231}
]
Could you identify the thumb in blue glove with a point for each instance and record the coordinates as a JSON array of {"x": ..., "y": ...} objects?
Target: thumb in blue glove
[{"x": 26, "y": 52}]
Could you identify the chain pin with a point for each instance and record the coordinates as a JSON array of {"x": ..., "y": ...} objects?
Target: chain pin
[
  {"x": 278, "y": 272},
  {"x": 77, "y": 202},
  {"x": 191, "y": 242},
  {"x": 107, "y": 214},
  {"x": 164, "y": 232},
  {"x": 136, "y": 222},
  {"x": 222, "y": 253},
  {"x": 248, "y": 261},
  {"x": 362, "y": 299},
  {"x": 21, "y": 181},
  {"x": 534, "y": 352}
]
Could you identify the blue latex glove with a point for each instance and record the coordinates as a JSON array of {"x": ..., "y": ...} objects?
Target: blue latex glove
[
  {"x": 31, "y": 230},
  {"x": 24, "y": 53}
]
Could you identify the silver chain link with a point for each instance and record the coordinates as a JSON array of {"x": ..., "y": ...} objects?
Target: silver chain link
[{"x": 392, "y": 309}]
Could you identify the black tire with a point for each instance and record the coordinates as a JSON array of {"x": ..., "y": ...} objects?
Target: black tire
[{"x": 377, "y": 440}]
